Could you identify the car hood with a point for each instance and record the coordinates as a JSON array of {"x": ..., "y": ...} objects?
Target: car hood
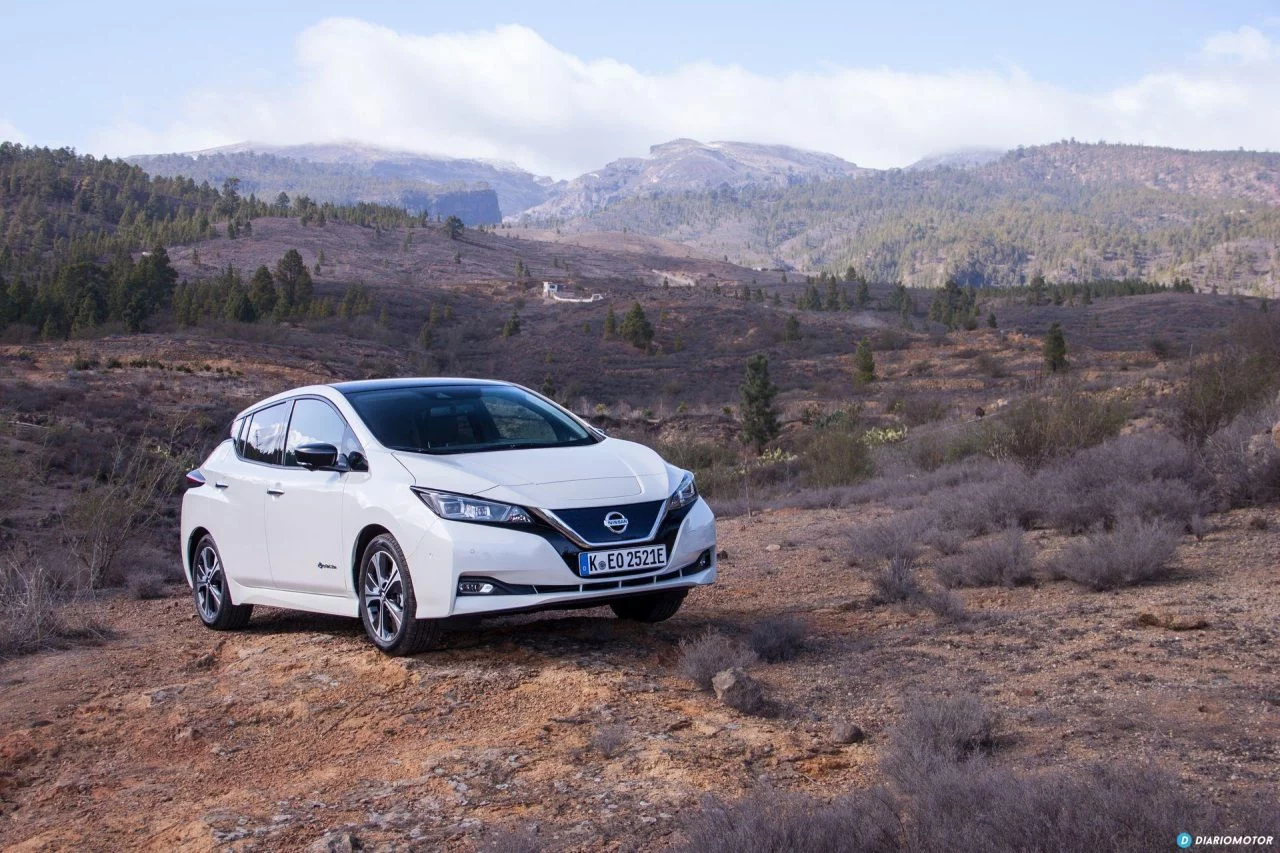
[{"x": 550, "y": 478}]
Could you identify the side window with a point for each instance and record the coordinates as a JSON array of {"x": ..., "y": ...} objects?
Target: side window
[
  {"x": 237, "y": 435},
  {"x": 315, "y": 421},
  {"x": 264, "y": 438}
]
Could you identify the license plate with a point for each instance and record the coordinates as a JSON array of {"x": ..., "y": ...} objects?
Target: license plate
[{"x": 623, "y": 560}]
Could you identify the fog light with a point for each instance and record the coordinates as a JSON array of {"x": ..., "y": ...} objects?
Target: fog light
[
  {"x": 705, "y": 560},
  {"x": 474, "y": 588}
]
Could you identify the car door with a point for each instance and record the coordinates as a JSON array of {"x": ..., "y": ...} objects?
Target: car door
[
  {"x": 259, "y": 452},
  {"x": 304, "y": 508}
]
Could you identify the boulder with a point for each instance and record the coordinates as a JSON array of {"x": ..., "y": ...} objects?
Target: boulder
[
  {"x": 846, "y": 732},
  {"x": 738, "y": 690}
]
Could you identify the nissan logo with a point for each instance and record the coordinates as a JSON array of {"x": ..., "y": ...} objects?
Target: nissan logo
[{"x": 616, "y": 522}]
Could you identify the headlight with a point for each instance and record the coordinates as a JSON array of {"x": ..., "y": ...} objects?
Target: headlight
[
  {"x": 685, "y": 494},
  {"x": 461, "y": 508}
]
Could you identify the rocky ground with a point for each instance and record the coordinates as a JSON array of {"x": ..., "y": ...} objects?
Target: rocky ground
[{"x": 575, "y": 729}]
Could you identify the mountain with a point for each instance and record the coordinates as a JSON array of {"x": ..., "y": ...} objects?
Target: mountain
[
  {"x": 344, "y": 173},
  {"x": 1069, "y": 211},
  {"x": 686, "y": 164},
  {"x": 964, "y": 158}
]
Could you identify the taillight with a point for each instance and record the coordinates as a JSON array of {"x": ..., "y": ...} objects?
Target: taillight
[{"x": 195, "y": 478}]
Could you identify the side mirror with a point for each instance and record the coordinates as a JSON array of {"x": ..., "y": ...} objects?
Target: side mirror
[
  {"x": 313, "y": 456},
  {"x": 356, "y": 461}
]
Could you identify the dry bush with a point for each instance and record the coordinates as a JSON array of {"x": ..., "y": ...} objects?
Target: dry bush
[
  {"x": 899, "y": 536},
  {"x": 31, "y": 617},
  {"x": 147, "y": 586},
  {"x": 1003, "y": 560},
  {"x": 107, "y": 516},
  {"x": 974, "y": 805},
  {"x": 1241, "y": 461},
  {"x": 1037, "y": 429},
  {"x": 976, "y": 509},
  {"x": 610, "y": 740},
  {"x": 709, "y": 653},
  {"x": 938, "y": 729},
  {"x": 1150, "y": 475},
  {"x": 512, "y": 839},
  {"x": 1134, "y": 552},
  {"x": 945, "y": 604},
  {"x": 770, "y": 821},
  {"x": 920, "y": 409},
  {"x": 1218, "y": 389},
  {"x": 778, "y": 638},
  {"x": 944, "y": 541},
  {"x": 896, "y": 581}
]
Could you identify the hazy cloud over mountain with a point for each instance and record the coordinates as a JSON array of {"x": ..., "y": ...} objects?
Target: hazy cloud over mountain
[{"x": 508, "y": 94}]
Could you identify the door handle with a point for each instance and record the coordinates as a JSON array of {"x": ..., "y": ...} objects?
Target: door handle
[
  {"x": 275, "y": 492},
  {"x": 218, "y": 485}
]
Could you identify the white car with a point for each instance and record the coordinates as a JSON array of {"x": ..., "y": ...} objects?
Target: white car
[{"x": 407, "y": 501}]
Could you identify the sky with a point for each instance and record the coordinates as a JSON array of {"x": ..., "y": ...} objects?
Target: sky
[{"x": 565, "y": 87}]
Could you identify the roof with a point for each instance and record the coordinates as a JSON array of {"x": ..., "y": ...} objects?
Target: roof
[{"x": 407, "y": 382}]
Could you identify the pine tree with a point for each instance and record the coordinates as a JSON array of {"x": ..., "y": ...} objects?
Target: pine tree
[
  {"x": 791, "y": 331},
  {"x": 262, "y": 291},
  {"x": 759, "y": 416},
  {"x": 610, "y": 325},
  {"x": 991, "y": 321},
  {"x": 548, "y": 387},
  {"x": 862, "y": 296},
  {"x": 512, "y": 326},
  {"x": 1055, "y": 349},
  {"x": 635, "y": 328},
  {"x": 426, "y": 337},
  {"x": 453, "y": 227},
  {"x": 864, "y": 362}
]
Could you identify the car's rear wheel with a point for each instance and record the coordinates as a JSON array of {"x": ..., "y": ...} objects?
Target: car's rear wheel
[
  {"x": 654, "y": 607},
  {"x": 387, "y": 603},
  {"x": 211, "y": 591}
]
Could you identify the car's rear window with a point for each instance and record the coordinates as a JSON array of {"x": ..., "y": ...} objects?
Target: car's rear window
[{"x": 465, "y": 419}]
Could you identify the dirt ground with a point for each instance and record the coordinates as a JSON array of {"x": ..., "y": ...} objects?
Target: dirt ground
[{"x": 171, "y": 737}]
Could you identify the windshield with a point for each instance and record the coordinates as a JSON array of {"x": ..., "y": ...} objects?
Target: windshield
[{"x": 465, "y": 419}]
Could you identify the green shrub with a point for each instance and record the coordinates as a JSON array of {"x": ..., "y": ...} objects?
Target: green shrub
[
  {"x": 834, "y": 457},
  {"x": 1037, "y": 429}
]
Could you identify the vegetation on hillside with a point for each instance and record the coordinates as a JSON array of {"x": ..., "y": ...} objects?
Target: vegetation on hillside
[{"x": 1070, "y": 212}]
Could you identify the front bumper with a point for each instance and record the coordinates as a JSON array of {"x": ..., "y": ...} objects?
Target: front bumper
[{"x": 537, "y": 565}]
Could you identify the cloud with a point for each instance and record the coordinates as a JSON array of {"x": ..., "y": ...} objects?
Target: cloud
[
  {"x": 508, "y": 94},
  {"x": 9, "y": 133},
  {"x": 1246, "y": 44}
]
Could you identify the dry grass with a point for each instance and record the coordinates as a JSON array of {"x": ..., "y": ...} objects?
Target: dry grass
[
  {"x": 709, "y": 653},
  {"x": 1135, "y": 552}
]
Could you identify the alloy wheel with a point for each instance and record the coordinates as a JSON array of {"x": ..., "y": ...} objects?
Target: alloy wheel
[
  {"x": 383, "y": 596},
  {"x": 208, "y": 583}
]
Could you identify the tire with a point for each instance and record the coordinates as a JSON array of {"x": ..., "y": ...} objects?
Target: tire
[
  {"x": 655, "y": 607},
  {"x": 387, "y": 602},
  {"x": 211, "y": 593}
]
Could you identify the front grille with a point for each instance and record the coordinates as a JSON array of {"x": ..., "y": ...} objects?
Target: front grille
[{"x": 588, "y": 523}]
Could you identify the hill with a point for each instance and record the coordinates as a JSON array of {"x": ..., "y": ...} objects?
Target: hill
[
  {"x": 686, "y": 164},
  {"x": 1068, "y": 211},
  {"x": 348, "y": 173}
]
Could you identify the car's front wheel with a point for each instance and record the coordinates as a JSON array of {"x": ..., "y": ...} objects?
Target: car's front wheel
[
  {"x": 654, "y": 607},
  {"x": 211, "y": 591},
  {"x": 387, "y": 603}
]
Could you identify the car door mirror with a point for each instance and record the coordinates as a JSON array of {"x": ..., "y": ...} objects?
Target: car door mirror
[
  {"x": 356, "y": 461},
  {"x": 314, "y": 456}
]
